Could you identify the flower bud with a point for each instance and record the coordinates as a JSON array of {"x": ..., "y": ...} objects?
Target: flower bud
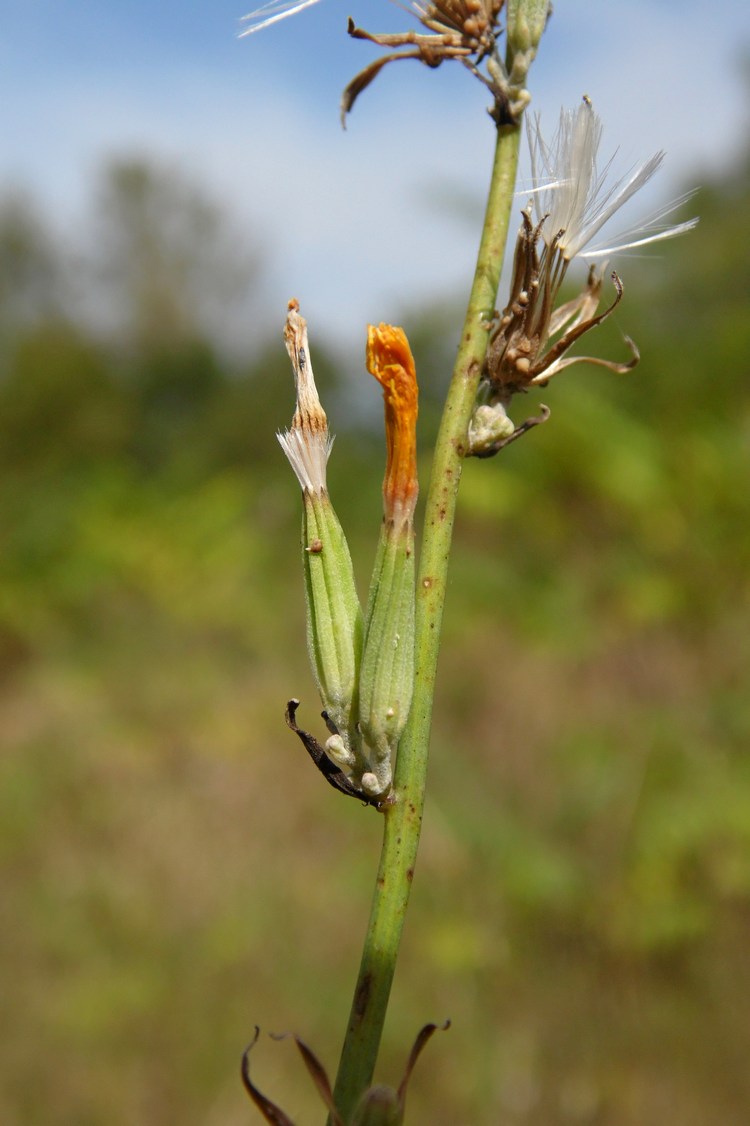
[
  {"x": 488, "y": 426},
  {"x": 387, "y": 674},
  {"x": 525, "y": 21}
]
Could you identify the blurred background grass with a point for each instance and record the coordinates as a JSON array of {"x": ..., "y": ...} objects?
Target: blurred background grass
[{"x": 173, "y": 870}]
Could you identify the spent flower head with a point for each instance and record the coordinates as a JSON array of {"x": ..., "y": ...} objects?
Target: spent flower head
[
  {"x": 571, "y": 200},
  {"x": 466, "y": 30}
]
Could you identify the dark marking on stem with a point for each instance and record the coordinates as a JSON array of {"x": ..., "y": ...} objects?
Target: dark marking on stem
[
  {"x": 409, "y": 874},
  {"x": 362, "y": 998}
]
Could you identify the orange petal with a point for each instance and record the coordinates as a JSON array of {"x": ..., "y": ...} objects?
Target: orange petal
[{"x": 390, "y": 360}]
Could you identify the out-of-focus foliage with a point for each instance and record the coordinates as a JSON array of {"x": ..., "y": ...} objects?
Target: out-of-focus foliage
[{"x": 173, "y": 870}]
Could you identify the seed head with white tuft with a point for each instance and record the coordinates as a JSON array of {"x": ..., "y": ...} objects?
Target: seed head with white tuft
[{"x": 571, "y": 198}]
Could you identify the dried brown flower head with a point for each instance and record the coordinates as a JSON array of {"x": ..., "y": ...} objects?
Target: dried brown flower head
[
  {"x": 571, "y": 202},
  {"x": 466, "y": 30}
]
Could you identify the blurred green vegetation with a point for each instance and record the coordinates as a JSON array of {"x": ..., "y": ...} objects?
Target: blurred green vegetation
[{"x": 174, "y": 872}]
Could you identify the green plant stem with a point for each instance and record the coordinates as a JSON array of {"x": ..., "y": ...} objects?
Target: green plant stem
[{"x": 403, "y": 819}]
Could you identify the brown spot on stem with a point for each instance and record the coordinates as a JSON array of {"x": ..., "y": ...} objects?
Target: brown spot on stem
[
  {"x": 410, "y": 874},
  {"x": 362, "y": 998},
  {"x": 427, "y": 583}
]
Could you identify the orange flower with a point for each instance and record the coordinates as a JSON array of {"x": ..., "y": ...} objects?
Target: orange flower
[{"x": 390, "y": 360}]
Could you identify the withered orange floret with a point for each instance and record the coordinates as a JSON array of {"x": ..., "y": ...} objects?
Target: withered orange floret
[{"x": 390, "y": 360}]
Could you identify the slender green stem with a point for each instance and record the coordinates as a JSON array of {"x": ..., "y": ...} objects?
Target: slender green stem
[{"x": 403, "y": 819}]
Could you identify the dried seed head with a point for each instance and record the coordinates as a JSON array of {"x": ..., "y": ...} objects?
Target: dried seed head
[{"x": 570, "y": 204}]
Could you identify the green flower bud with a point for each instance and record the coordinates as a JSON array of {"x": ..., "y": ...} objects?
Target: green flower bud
[
  {"x": 489, "y": 425},
  {"x": 525, "y": 21}
]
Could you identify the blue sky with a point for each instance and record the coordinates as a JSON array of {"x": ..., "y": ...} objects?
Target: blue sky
[{"x": 364, "y": 224}]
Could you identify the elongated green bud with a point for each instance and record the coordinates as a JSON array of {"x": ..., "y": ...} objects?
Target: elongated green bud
[
  {"x": 525, "y": 21},
  {"x": 387, "y": 677},
  {"x": 334, "y": 615}
]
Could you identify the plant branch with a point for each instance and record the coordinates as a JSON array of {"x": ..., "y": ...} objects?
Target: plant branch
[{"x": 403, "y": 819}]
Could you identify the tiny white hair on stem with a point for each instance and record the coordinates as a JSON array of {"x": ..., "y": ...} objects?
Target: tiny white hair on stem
[
  {"x": 271, "y": 13},
  {"x": 570, "y": 193}
]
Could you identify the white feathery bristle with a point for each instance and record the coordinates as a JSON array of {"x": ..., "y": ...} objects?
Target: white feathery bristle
[
  {"x": 571, "y": 193},
  {"x": 272, "y": 12},
  {"x": 308, "y": 453}
]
